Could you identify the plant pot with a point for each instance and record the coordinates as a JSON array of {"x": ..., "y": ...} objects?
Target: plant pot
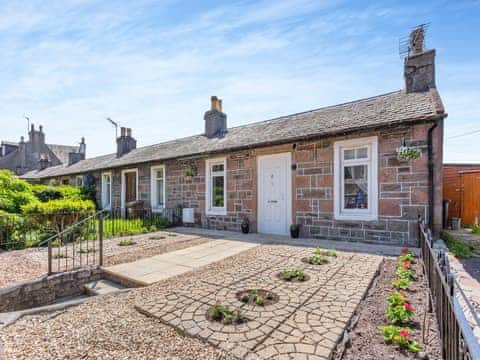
[
  {"x": 245, "y": 228},
  {"x": 295, "y": 232}
]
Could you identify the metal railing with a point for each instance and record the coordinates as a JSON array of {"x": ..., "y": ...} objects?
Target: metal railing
[
  {"x": 81, "y": 244},
  {"x": 457, "y": 338}
]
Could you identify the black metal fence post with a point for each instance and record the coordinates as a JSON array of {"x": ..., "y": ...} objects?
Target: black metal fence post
[
  {"x": 100, "y": 238},
  {"x": 50, "y": 257}
]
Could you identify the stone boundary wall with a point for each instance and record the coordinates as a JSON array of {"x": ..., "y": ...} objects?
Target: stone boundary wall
[{"x": 46, "y": 290}]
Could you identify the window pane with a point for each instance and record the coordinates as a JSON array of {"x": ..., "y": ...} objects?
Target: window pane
[
  {"x": 160, "y": 194},
  {"x": 355, "y": 187},
  {"x": 218, "y": 167},
  {"x": 349, "y": 154},
  {"x": 361, "y": 153},
  {"x": 218, "y": 191}
]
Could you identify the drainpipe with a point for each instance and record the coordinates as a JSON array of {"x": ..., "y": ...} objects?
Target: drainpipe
[{"x": 431, "y": 185}]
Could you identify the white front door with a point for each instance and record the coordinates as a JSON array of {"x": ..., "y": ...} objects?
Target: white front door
[{"x": 274, "y": 193}]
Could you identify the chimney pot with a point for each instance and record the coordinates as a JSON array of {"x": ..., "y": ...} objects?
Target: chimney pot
[
  {"x": 129, "y": 132},
  {"x": 122, "y": 131},
  {"x": 40, "y": 128}
]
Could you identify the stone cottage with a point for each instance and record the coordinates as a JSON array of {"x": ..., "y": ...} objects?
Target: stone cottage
[
  {"x": 36, "y": 154},
  {"x": 334, "y": 170}
]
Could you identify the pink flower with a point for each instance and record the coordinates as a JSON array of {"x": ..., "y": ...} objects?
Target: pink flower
[
  {"x": 404, "y": 333},
  {"x": 406, "y": 265},
  {"x": 407, "y": 306},
  {"x": 404, "y": 250}
]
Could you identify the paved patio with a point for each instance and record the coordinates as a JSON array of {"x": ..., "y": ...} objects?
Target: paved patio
[
  {"x": 153, "y": 269},
  {"x": 307, "y": 321}
]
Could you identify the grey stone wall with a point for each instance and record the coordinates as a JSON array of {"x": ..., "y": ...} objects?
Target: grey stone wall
[{"x": 46, "y": 290}]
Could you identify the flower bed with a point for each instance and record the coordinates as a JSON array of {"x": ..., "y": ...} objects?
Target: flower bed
[
  {"x": 258, "y": 297},
  {"x": 390, "y": 321}
]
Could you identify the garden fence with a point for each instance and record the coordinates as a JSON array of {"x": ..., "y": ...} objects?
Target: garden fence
[
  {"x": 457, "y": 338},
  {"x": 75, "y": 240}
]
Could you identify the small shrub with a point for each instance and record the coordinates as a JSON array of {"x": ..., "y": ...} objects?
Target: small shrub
[
  {"x": 126, "y": 242},
  {"x": 290, "y": 275},
  {"x": 400, "y": 336},
  {"x": 153, "y": 228},
  {"x": 159, "y": 237},
  {"x": 316, "y": 260},
  {"x": 476, "y": 229},
  {"x": 458, "y": 247},
  {"x": 86, "y": 250},
  {"x": 323, "y": 252},
  {"x": 172, "y": 234},
  {"x": 245, "y": 298},
  {"x": 223, "y": 314}
]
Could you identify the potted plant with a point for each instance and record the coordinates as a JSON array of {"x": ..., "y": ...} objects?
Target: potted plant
[
  {"x": 245, "y": 226},
  {"x": 294, "y": 230}
]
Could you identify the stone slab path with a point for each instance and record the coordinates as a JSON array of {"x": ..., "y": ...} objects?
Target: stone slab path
[
  {"x": 307, "y": 322},
  {"x": 153, "y": 269}
]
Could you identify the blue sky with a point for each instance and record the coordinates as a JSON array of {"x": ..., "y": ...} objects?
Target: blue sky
[{"x": 152, "y": 65}]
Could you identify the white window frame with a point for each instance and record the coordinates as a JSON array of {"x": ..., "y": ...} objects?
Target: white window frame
[
  {"x": 215, "y": 210},
  {"x": 109, "y": 174},
  {"x": 123, "y": 185},
  {"x": 371, "y": 213},
  {"x": 154, "y": 170},
  {"x": 79, "y": 180}
]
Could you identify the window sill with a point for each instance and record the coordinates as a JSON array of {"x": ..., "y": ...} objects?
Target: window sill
[
  {"x": 217, "y": 212},
  {"x": 361, "y": 217}
]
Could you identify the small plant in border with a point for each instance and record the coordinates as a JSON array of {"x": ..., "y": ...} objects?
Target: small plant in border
[
  {"x": 316, "y": 260},
  {"x": 225, "y": 315},
  {"x": 126, "y": 242},
  {"x": 400, "y": 336},
  {"x": 399, "y": 310},
  {"x": 290, "y": 275},
  {"x": 401, "y": 283},
  {"x": 324, "y": 252}
]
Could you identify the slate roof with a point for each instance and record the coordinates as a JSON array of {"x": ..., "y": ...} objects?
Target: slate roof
[
  {"x": 383, "y": 110},
  {"x": 61, "y": 151}
]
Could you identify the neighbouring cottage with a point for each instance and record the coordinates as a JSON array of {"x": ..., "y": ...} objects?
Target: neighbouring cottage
[
  {"x": 334, "y": 170},
  {"x": 36, "y": 154}
]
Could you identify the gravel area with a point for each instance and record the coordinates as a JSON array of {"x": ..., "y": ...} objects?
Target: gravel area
[
  {"x": 25, "y": 265},
  {"x": 366, "y": 340},
  {"x": 107, "y": 328},
  {"x": 111, "y": 328}
]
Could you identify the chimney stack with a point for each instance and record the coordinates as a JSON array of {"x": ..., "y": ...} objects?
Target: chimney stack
[
  {"x": 215, "y": 119},
  {"x": 125, "y": 143},
  {"x": 75, "y": 157},
  {"x": 419, "y": 67},
  {"x": 43, "y": 162}
]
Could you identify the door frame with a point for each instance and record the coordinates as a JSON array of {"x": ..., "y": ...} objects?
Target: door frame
[
  {"x": 123, "y": 190},
  {"x": 288, "y": 195}
]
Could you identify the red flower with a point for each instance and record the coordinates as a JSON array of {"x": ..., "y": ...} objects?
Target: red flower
[
  {"x": 407, "y": 306},
  {"x": 406, "y": 265},
  {"x": 404, "y": 333}
]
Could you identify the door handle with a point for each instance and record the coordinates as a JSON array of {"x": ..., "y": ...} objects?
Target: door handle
[{"x": 272, "y": 201}]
